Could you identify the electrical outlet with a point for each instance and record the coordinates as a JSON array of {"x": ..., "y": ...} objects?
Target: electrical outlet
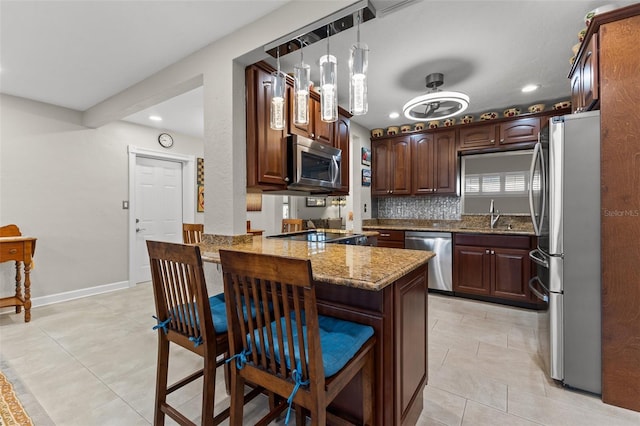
[{"x": 125, "y": 205}]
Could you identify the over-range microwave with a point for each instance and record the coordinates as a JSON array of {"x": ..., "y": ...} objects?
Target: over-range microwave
[{"x": 312, "y": 166}]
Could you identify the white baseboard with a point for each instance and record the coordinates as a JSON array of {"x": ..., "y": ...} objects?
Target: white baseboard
[{"x": 74, "y": 294}]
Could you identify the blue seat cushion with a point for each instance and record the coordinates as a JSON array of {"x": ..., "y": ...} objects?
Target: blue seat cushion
[
  {"x": 219, "y": 313},
  {"x": 340, "y": 340}
]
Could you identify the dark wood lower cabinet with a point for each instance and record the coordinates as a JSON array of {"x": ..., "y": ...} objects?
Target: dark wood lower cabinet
[
  {"x": 398, "y": 314},
  {"x": 495, "y": 266},
  {"x": 390, "y": 238}
]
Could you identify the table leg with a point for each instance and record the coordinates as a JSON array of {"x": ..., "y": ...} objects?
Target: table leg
[
  {"x": 27, "y": 292},
  {"x": 18, "y": 286}
]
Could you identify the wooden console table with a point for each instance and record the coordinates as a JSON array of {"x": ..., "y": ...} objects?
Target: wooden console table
[{"x": 20, "y": 250}]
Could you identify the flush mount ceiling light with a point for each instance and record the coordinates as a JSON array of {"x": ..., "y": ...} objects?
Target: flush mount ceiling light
[
  {"x": 436, "y": 104},
  {"x": 530, "y": 88}
]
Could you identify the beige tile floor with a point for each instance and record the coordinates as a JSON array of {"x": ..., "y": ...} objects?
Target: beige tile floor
[{"x": 91, "y": 361}]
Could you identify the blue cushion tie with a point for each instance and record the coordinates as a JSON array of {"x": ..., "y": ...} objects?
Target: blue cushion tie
[
  {"x": 241, "y": 358},
  {"x": 161, "y": 324},
  {"x": 297, "y": 377},
  {"x": 197, "y": 341}
]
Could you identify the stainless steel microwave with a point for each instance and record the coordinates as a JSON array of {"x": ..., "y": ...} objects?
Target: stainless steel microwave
[{"x": 312, "y": 166}]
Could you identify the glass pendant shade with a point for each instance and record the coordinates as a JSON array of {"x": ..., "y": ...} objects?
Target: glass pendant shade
[
  {"x": 301, "y": 84},
  {"x": 278, "y": 92},
  {"x": 328, "y": 88},
  {"x": 358, "y": 63}
]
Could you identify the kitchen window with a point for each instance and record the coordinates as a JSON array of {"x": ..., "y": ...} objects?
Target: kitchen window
[{"x": 502, "y": 177}]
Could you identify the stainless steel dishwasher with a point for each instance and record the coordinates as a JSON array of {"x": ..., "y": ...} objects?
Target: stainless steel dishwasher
[{"x": 440, "y": 267}]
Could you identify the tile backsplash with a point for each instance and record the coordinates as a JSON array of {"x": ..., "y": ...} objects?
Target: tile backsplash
[{"x": 431, "y": 207}]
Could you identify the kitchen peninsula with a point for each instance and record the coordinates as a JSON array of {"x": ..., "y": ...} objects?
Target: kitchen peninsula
[{"x": 382, "y": 287}]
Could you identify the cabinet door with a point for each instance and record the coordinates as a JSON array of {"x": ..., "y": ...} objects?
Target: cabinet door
[
  {"x": 577, "y": 101},
  {"x": 401, "y": 165},
  {"x": 520, "y": 130},
  {"x": 472, "y": 270},
  {"x": 321, "y": 132},
  {"x": 477, "y": 136},
  {"x": 445, "y": 163},
  {"x": 380, "y": 173},
  {"x": 391, "y": 238},
  {"x": 512, "y": 270},
  {"x": 266, "y": 148},
  {"x": 589, "y": 74},
  {"x": 423, "y": 164},
  {"x": 341, "y": 141}
]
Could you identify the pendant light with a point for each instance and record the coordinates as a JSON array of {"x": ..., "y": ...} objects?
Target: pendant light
[
  {"x": 301, "y": 85},
  {"x": 278, "y": 91},
  {"x": 328, "y": 85},
  {"x": 358, "y": 64}
]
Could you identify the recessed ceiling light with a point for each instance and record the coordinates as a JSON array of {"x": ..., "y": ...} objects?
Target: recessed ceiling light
[
  {"x": 155, "y": 118},
  {"x": 530, "y": 88},
  {"x": 394, "y": 115}
]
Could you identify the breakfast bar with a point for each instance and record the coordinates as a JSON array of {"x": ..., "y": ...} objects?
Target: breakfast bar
[{"x": 381, "y": 287}]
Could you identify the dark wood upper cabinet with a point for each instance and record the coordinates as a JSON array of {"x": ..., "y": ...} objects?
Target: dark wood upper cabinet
[
  {"x": 391, "y": 166},
  {"x": 519, "y": 130},
  {"x": 496, "y": 135},
  {"x": 434, "y": 165},
  {"x": 584, "y": 78},
  {"x": 474, "y": 136},
  {"x": 315, "y": 129},
  {"x": 266, "y": 148}
]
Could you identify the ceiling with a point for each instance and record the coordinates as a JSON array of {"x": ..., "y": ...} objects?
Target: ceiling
[{"x": 77, "y": 54}]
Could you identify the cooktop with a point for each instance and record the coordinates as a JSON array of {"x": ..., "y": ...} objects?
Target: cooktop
[{"x": 319, "y": 236}]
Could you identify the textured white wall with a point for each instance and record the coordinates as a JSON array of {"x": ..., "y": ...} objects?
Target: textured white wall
[{"x": 64, "y": 184}]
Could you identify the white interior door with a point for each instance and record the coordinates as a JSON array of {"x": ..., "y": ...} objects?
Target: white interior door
[{"x": 158, "y": 208}]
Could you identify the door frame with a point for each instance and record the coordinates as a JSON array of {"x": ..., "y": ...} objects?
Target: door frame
[{"x": 188, "y": 192}]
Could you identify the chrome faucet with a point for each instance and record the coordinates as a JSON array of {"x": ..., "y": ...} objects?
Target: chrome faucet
[{"x": 493, "y": 212}]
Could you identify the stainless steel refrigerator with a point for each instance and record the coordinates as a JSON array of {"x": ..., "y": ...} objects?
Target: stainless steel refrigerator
[{"x": 564, "y": 197}]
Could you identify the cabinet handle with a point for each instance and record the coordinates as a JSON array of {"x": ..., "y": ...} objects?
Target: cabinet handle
[
  {"x": 493, "y": 141},
  {"x": 286, "y": 179},
  {"x": 493, "y": 252},
  {"x": 13, "y": 251},
  {"x": 487, "y": 251},
  {"x": 391, "y": 192},
  {"x": 385, "y": 235},
  {"x": 313, "y": 135},
  {"x": 501, "y": 140}
]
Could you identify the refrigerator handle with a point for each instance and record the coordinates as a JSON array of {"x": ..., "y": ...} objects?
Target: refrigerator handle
[
  {"x": 540, "y": 260},
  {"x": 534, "y": 160},
  {"x": 543, "y": 297}
]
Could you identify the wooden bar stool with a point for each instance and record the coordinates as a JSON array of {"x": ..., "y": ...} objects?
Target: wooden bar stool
[
  {"x": 289, "y": 349},
  {"x": 187, "y": 317},
  {"x": 192, "y": 233},
  {"x": 291, "y": 225}
]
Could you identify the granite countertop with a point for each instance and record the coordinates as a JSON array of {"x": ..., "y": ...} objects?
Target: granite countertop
[
  {"x": 368, "y": 268},
  {"x": 476, "y": 224}
]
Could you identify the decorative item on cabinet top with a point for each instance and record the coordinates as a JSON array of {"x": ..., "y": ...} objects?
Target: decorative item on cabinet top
[
  {"x": 488, "y": 116},
  {"x": 536, "y": 108},
  {"x": 511, "y": 112},
  {"x": 562, "y": 105},
  {"x": 393, "y": 130}
]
